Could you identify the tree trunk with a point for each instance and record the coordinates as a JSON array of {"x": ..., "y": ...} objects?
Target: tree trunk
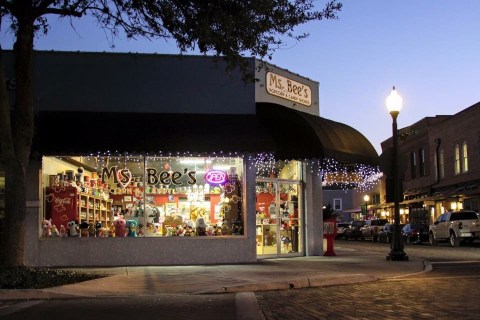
[{"x": 17, "y": 143}]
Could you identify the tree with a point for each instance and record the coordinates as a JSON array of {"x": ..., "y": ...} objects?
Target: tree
[
  {"x": 328, "y": 212},
  {"x": 225, "y": 28}
]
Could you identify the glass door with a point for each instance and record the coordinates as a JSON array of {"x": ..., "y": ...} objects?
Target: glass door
[{"x": 278, "y": 218}]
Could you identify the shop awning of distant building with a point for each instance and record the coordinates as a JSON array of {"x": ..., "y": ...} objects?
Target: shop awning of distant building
[{"x": 287, "y": 133}]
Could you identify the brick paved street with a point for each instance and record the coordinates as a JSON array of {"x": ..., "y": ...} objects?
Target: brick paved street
[{"x": 405, "y": 299}]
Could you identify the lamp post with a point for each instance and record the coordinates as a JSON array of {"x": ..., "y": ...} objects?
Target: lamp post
[
  {"x": 366, "y": 198},
  {"x": 394, "y": 105}
]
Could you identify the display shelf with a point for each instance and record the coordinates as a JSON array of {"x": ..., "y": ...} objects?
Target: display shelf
[{"x": 93, "y": 209}]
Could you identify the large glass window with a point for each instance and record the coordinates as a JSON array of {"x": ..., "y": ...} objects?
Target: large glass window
[
  {"x": 465, "y": 156},
  {"x": 457, "y": 159},
  {"x": 421, "y": 156},
  {"x": 442, "y": 164},
  {"x": 413, "y": 165},
  {"x": 136, "y": 195}
]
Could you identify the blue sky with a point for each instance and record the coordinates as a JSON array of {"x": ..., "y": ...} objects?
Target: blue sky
[{"x": 428, "y": 49}]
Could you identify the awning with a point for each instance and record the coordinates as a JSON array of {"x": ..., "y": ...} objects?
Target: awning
[{"x": 288, "y": 133}]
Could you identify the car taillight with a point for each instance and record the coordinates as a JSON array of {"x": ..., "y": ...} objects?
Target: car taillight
[{"x": 460, "y": 225}]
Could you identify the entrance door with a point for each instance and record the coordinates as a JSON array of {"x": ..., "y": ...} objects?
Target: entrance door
[{"x": 279, "y": 218}]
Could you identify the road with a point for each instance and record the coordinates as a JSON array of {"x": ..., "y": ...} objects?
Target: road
[{"x": 451, "y": 290}]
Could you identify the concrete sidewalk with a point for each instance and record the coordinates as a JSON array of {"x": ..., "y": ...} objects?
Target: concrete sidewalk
[{"x": 349, "y": 266}]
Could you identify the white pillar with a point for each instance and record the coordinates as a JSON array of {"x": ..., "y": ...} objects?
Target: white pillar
[{"x": 313, "y": 215}]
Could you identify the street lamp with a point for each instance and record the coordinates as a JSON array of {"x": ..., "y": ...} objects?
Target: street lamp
[
  {"x": 366, "y": 198},
  {"x": 394, "y": 105}
]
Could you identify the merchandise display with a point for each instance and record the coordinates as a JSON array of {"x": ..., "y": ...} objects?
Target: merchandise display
[{"x": 139, "y": 196}]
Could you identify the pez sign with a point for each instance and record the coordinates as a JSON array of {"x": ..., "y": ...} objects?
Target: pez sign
[{"x": 216, "y": 177}]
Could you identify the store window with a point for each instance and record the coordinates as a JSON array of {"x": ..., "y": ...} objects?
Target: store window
[
  {"x": 465, "y": 156},
  {"x": 421, "y": 158},
  {"x": 136, "y": 196},
  {"x": 337, "y": 204},
  {"x": 457, "y": 159},
  {"x": 413, "y": 165},
  {"x": 442, "y": 163}
]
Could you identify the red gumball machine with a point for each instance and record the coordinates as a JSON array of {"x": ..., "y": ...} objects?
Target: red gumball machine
[{"x": 329, "y": 233}]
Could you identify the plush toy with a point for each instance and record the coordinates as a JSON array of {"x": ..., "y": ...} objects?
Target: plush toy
[
  {"x": 210, "y": 231},
  {"x": 180, "y": 231},
  {"x": 54, "y": 231},
  {"x": 201, "y": 227},
  {"x": 120, "y": 228},
  {"x": 170, "y": 232},
  {"x": 72, "y": 228},
  {"x": 46, "y": 228},
  {"x": 140, "y": 230},
  {"x": 150, "y": 229},
  {"x": 92, "y": 232},
  {"x": 84, "y": 227},
  {"x": 111, "y": 230},
  {"x": 132, "y": 228},
  {"x": 63, "y": 231},
  {"x": 98, "y": 227}
]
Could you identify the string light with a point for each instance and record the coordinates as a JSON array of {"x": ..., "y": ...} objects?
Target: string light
[{"x": 334, "y": 174}]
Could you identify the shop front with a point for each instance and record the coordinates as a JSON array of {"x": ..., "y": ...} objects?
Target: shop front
[{"x": 196, "y": 167}]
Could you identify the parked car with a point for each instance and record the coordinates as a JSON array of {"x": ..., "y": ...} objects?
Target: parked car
[
  {"x": 353, "y": 232},
  {"x": 386, "y": 234},
  {"x": 415, "y": 233},
  {"x": 455, "y": 227},
  {"x": 341, "y": 226},
  {"x": 372, "y": 227}
]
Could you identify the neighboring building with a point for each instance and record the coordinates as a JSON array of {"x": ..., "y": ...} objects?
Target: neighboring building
[
  {"x": 440, "y": 165},
  {"x": 350, "y": 204},
  {"x": 180, "y": 161}
]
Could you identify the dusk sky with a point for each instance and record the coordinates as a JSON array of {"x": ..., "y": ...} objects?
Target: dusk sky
[{"x": 428, "y": 49}]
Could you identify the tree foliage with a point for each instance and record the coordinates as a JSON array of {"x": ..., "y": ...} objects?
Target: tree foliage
[{"x": 231, "y": 29}]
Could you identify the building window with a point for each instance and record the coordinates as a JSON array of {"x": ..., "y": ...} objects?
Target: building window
[
  {"x": 442, "y": 164},
  {"x": 337, "y": 204},
  {"x": 435, "y": 166},
  {"x": 136, "y": 195},
  {"x": 465, "y": 157},
  {"x": 457, "y": 159},
  {"x": 421, "y": 157},
  {"x": 413, "y": 165}
]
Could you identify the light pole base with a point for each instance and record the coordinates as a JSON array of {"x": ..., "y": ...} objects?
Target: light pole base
[{"x": 397, "y": 256}]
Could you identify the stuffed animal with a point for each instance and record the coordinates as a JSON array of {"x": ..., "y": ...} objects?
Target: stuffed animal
[
  {"x": 150, "y": 229},
  {"x": 120, "y": 228},
  {"x": 132, "y": 228},
  {"x": 72, "y": 228},
  {"x": 84, "y": 233},
  {"x": 92, "y": 231},
  {"x": 140, "y": 230},
  {"x": 98, "y": 227},
  {"x": 201, "y": 227},
  {"x": 180, "y": 231},
  {"x": 111, "y": 230},
  {"x": 63, "y": 231},
  {"x": 46, "y": 228},
  {"x": 54, "y": 231}
]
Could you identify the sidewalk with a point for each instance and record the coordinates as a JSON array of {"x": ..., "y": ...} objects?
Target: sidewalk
[{"x": 349, "y": 266}]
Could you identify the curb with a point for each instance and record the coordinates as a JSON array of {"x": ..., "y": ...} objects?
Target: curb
[{"x": 293, "y": 284}]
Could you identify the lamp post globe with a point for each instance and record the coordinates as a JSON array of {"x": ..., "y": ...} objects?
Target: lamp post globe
[
  {"x": 394, "y": 104},
  {"x": 366, "y": 198}
]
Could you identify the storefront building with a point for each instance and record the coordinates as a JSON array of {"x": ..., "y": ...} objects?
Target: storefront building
[
  {"x": 441, "y": 167},
  {"x": 163, "y": 159}
]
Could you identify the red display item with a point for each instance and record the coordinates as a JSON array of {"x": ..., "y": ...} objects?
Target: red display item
[
  {"x": 61, "y": 205},
  {"x": 329, "y": 233}
]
